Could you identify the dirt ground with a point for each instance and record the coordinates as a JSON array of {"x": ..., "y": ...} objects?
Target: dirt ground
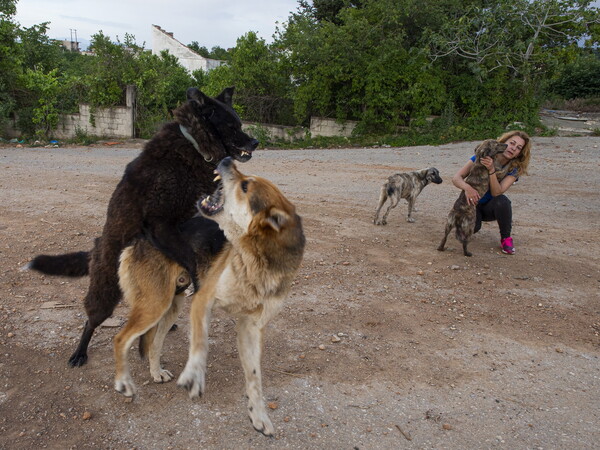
[{"x": 434, "y": 350}]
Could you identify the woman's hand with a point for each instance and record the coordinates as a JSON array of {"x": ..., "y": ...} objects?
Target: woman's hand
[
  {"x": 472, "y": 195},
  {"x": 488, "y": 162}
]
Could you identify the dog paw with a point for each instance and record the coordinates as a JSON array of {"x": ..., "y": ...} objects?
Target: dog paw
[
  {"x": 125, "y": 386},
  {"x": 192, "y": 380},
  {"x": 261, "y": 422},
  {"x": 78, "y": 359},
  {"x": 162, "y": 376}
]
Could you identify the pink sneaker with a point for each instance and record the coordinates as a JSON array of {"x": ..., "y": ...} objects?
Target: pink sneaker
[{"x": 507, "y": 246}]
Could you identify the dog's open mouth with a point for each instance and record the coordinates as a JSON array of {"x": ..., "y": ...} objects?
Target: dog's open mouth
[
  {"x": 210, "y": 205},
  {"x": 244, "y": 156}
]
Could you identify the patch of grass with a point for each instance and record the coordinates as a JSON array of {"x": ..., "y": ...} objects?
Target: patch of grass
[
  {"x": 430, "y": 134},
  {"x": 82, "y": 138}
]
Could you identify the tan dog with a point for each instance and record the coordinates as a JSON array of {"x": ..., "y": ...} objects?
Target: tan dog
[{"x": 249, "y": 278}]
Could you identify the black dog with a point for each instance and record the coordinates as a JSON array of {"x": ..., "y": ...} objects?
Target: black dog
[
  {"x": 157, "y": 193},
  {"x": 404, "y": 185},
  {"x": 463, "y": 215}
]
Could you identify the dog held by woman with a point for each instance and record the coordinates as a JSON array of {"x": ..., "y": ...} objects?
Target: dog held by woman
[
  {"x": 157, "y": 193},
  {"x": 249, "y": 277},
  {"x": 462, "y": 215},
  {"x": 406, "y": 185}
]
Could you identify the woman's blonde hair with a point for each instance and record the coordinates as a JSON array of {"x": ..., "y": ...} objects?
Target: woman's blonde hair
[{"x": 521, "y": 162}]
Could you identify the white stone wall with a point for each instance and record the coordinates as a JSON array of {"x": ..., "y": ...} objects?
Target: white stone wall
[
  {"x": 116, "y": 122},
  {"x": 283, "y": 132},
  {"x": 320, "y": 126},
  {"x": 163, "y": 40}
]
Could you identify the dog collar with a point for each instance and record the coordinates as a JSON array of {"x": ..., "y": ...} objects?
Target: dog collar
[{"x": 189, "y": 137}]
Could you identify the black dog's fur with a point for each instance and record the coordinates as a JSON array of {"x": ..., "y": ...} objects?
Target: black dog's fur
[
  {"x": 404, "y": 185},
  {"x": 463, "y": 215},
  {"x": 157, "y": 193}
]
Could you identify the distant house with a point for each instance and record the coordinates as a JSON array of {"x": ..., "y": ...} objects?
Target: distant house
[
  {"x": 163, "y": 40},
  {"x": 69, "y": 45}
]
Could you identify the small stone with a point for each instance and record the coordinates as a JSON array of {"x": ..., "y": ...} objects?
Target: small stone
[
  {"x": 272, "y": 405},
  {"x": 321, "y": 347},
  {"x": 454, "y": 267},
  {"x": 10, "y": 334},
  {"x": 86, "y": 415},
  {"x": 112, "y": 322},
  {"x": 447, "y": 426},
  {"x": 334, "y": 338}
]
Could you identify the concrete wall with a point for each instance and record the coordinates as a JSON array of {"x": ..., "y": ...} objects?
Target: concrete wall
[
  {"x": 320, "y": 126},
  {"x": 281, "y": 132},
  {"x": 117, "y": 122},
  {"x": 163, "y": 40}
]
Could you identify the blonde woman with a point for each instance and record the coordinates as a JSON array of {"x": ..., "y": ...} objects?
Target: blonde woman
[{"x": 504, "y": 171}]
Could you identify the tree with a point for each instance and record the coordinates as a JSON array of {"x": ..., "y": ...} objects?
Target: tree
[
  {"x": 262, "y": 85},
  {"x": 46, "y": 88},
  {"x": 519, "y": 35},
  {"x": 361, "y": 67},
  {"x": 10, "y": 58}
]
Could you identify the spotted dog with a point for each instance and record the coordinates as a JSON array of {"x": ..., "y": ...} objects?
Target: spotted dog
[
  {"x": 407, "y": 186},
  {"x": 462, "y": 215}
]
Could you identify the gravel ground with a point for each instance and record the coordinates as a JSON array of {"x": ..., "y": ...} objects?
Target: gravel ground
[{"x": 435, "y": 350}]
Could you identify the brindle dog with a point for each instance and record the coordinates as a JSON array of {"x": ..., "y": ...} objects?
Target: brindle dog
[
  {"x": 462, "y": 215},
  {"x": 404, "y": 185}
]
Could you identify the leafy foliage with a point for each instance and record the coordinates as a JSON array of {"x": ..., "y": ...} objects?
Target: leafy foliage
[
  {"x": 476, "y": 65},
  {"x": 580, "y": 79}
]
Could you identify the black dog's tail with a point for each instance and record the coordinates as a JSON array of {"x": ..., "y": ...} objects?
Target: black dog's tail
[{"x": 68, "y": 265}]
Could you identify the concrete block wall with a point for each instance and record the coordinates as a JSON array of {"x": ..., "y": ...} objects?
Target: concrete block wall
[
  {"x": 116, "y": 122},
  {"x": 321, "y": 126},
  {"x": 281, "y": 132}
]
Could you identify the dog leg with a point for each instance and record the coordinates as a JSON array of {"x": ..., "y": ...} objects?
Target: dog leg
[
  {"x": 382, "y": 198},
  {"x": 446, "y": 233},
  {"x": 394, "y": 199},
  {"x": 464, "y": 246},
  {"x": 160, "y": 375},
  {"x": 145, "y": 314},
  {"x": 411, "y": 208},
  {"x": 249, "y": 342},
  {"x": 193, "y": 376}
]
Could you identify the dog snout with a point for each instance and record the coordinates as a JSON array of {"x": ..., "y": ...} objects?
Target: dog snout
[
  {"x": 225, "y": 163},
  {"x": 253, "y": 144}
]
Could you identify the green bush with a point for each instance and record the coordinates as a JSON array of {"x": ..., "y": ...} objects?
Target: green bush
[{"x": 580, "y": 79}]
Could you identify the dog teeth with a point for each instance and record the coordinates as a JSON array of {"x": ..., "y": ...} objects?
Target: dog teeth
[
  {"x": 205, "y": 201},
  {"x": 245, "y": 153},
  {"x": 217, "y": 178}
]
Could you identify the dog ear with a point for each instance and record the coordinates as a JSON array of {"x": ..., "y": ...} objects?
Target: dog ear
[
  {"x": 226, "y": 96},
  {"x": 479, "y": 149},
  {"x": 276, "y": 219},
  {"x": 195, "y": 94}
]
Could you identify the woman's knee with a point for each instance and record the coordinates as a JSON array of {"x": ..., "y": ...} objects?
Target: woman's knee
[{"x": 502, "y": 202}]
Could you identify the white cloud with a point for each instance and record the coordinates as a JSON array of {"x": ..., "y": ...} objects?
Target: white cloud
[{"x": 209, "y": 22}]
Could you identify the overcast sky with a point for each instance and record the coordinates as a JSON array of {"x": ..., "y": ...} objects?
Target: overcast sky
[{"x": 209, "y": 22}]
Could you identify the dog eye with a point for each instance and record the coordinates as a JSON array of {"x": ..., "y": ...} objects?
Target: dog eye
[{"x": 244, "y": 185}]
